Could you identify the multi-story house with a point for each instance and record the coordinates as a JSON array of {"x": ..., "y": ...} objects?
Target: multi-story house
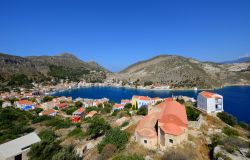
[{"x": 210, "y": 102}]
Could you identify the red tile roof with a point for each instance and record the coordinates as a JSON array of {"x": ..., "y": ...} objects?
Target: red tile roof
[
  {"x": 91, "y": 114},
  {"x": 81, "y": 110},
  {"x": 210, "y": 95},
  {"x": 25, "y": 102},
  {"x": 171, "y": 116},
  {"x": 144, "y": 98},
  {"x": 118, "y": 106},
  {"x": 125, "y": 101},
  {"x": 62, "y": 105},
  {"x": 49, "y": 111}
]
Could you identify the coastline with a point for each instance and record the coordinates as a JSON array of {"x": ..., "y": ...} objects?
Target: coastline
[{"x": 148, "y": 89}]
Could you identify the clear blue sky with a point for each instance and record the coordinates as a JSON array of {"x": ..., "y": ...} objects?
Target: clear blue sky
[{"x": 116, "y": 33}]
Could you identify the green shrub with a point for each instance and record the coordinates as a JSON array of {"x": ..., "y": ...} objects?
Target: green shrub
[
  {"x": 58, "y": 123},
  {"x": 67, "y": 153},
  {"x": 116, "y": 137},
  {"x": 77, "y": 133},
  {"x": 92, "y": 108},
  {"x": 143, "y": 110},
  {"x": 230, "y": 132},
  {"x": 227, "y": 118},
  {"x": 124, "y": 124},
  {"x": 47, "y": 135},
  {"x": 78, "y": 104},
  {"x": 47, "y": 98},
  {"x": 192, "y": 114},
  {"x": 97, "y": 127},
  {"x": 244, "y": 125},
  {"x": 128, "y": 157},
  {"x": 41, "y": 119},
  {"x": 128, "y": 106}
]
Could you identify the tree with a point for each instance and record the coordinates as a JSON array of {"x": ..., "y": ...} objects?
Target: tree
[
  {"x": 44, "y": 150},
  {"x": 143, "y": 110},
  {"x": 47, "y": 135},
  {"x": 97, "y": 127},
  {"x": 128, "y": 106},
  {"x": 116, "y": 137},
  {"x": 47, "y": 98},
  {"x": 148, "y": 83},
  {"x": 78, "y": 104}
]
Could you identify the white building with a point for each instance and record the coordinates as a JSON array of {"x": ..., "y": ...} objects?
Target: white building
[
  {"x": 210, "y": 102},
  {"x": 17, "y": 149}
]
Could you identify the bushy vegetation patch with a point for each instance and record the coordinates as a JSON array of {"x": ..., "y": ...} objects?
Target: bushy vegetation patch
[
  {"x": 227, "y": 118},
  {"x": 116, "y": 137},
  {"x": 192, "y": 114},
  {"x": 92, "y": 108},
  {"x": 14, "y": 123},
  {"x": 143, "y": 110},
  {"x": 124, "y": 124},
  {"x": 128, "y": 157},
  {"x": 77, "y": 133},
  {"x": 41, "y": 119},
  {"x": 58, "y": 123},
  {"x": 230, "y": 131},
  {"x": 97, "y": 127},
  {"x": 49, "y": 148}
]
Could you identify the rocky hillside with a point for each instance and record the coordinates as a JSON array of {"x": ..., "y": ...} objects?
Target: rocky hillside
[
  {"x": 45, "y": 68},
  {"x": 181, "y": 72}
]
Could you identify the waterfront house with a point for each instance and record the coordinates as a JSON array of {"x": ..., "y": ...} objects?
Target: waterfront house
[
  {"x": 125, "y": 101},
  {"x": 90, "y": 114},
  {"x": 49, "y": 112},
  {"x": 143, "y": 101},
  {"x": 17, "y": 149},
  {"x": 139, "y": 101},
  {"x": 163, "y": 127},
  {"x": 25, "y": 105},
  {"x": 118, "y": 107},
  {"x": 78, "y": 114},
  {"x": 210, "y": 102}
]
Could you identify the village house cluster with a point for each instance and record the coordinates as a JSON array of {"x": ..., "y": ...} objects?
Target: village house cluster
[{"x": 165, "y": 124}]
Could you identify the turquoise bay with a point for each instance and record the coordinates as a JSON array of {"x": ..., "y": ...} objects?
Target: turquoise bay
[{"x": 236, "y": 98}]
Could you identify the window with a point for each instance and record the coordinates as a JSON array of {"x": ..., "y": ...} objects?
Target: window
[
  {"x": 171, "y": 141},
  {"x": 145, "y": 141}
]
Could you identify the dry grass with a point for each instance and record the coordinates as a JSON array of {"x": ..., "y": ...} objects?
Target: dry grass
[
  {"x": 131, "y": 129},
  {"x": 214, "y": 122},
  {"x": 135, "y": 148}
]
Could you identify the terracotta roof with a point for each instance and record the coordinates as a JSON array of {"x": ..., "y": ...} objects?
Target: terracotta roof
[
  {"x": 49, "y": 111},
  {"x": 143, "y": 98},
  {"x": 210, "y": 95},
  {"x": 25, "y": 102},
  {"x": 91, "y": 114},
  {"x": 125, "y": 101},
  {"x": 80, "y": 110},
  {"x": 62, "y": 105},
  {"x": 171, "y": 117},
  {"x": 118, "y": 106},
  {"x": 171, "y": 128}
]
